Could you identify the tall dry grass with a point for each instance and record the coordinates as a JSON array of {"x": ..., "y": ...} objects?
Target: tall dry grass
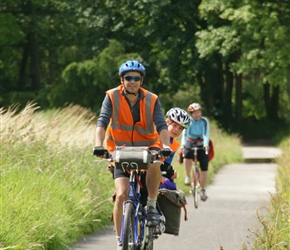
[
  {"x": 52, "y": 189},
  {"x": 274, "y": 232},
  {"x": 68, "y": 127}
]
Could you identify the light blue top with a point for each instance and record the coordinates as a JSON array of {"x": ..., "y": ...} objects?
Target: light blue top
[{"x": 197, "y": 129}]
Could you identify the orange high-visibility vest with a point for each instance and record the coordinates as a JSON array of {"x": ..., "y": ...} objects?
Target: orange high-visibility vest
[
  {"x": 122, "y": 130},
  {"x": 174, "y": 145}
]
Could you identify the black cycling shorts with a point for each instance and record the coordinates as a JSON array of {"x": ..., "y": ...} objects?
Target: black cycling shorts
[{"x": 202, "y": 158}]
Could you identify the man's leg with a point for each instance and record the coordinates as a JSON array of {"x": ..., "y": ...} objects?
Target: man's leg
[
  {"x": 152, "y": 182},
  {"x": 122, "y": 187}
]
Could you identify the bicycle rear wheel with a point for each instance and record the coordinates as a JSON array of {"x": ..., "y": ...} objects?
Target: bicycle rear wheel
[
  {"x": 194, "y": 186},
  {"x": 129, "y": 227}
]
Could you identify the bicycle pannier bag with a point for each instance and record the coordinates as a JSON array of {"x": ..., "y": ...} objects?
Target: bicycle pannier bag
[
  {"x": 132, "y": 158},
  {"x": 171, "y": 202}
]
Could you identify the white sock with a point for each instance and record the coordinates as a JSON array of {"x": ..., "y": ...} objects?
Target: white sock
[
  {"x": 118, "y": 240},
  {"x": 151, "y": 202}
]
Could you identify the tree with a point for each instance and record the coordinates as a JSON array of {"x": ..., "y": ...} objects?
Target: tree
[{"x": 258, "y": 33}]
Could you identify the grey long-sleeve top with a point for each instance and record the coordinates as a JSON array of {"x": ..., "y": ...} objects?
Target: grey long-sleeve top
[{"x": 106, "y": 113}]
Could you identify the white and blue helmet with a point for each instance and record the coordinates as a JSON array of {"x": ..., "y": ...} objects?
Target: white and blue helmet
[{"x": 179, "y": 116}]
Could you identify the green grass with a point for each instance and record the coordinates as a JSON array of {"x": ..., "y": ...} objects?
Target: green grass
[
  {"x": 52, "y": 189},
  {"x": 274, "y": 232}
]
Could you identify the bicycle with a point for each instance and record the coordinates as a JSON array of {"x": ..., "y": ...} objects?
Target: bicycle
[
  {"x": 195, "y": 178},
  {"x": 135, "y": 235}
]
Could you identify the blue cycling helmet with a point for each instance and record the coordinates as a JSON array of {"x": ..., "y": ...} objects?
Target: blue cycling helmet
[{"x": 132, "y": 66}]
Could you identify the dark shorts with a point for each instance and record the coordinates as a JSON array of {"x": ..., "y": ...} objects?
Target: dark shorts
[
  {"x": 142, "y": 177},
  {"x": 120, "y": 173},
  {"x": 202, "y": 158}
]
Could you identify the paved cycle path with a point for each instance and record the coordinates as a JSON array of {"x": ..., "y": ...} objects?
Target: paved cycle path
[{"x": 225, "y": 219}]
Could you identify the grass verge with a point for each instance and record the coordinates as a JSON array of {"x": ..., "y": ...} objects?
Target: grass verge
[
  {"x": 274, "y": 232},
  {"x": 52, "y": 189}
]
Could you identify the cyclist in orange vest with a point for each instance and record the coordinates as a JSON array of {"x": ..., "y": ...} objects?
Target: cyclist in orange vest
[
  {"x": 177, "y": 119},
  {"x": 132, "y": 116}
]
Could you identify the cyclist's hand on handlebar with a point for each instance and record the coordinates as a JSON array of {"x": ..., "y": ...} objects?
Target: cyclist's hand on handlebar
[
  {"x": 100, "y": 151},
  {"x": 165, "y": 152},
  {"x": 205, "y": 149}
]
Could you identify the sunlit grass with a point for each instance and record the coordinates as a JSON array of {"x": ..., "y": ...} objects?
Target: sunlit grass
[
  {"x": 52, "y": 189},
  {"x": 274, "y": 230}
]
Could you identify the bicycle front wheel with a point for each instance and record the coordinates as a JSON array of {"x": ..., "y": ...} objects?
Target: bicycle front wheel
[
  {"x": 129, "y": 227},
  {"x": 148, "y": 239}
]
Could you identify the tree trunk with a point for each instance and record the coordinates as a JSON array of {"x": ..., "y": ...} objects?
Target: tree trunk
[
  {"x": 239, "y": 101},
  {"x": 30, "y": 51},
  {"x": 271, "y": 101},
  {"x": 228, "y": 92},
  {"x": 275, "y": 102},
  {"x": 33, "y": 50},
  {"x": 267, "y": 99},
  {"x": 21, "y": 81}
]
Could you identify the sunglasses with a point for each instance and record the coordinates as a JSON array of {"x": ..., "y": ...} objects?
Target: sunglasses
[{"x": 135, "y": 78}]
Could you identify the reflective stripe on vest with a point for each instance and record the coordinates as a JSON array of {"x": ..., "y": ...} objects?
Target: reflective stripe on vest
[{"x": 122, "y": 130}]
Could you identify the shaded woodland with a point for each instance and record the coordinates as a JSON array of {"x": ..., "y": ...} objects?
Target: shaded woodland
[{"x": 233, "y": 57}]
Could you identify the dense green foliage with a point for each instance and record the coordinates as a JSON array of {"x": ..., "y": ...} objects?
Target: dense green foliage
[{"x": 233, "y": 56}]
